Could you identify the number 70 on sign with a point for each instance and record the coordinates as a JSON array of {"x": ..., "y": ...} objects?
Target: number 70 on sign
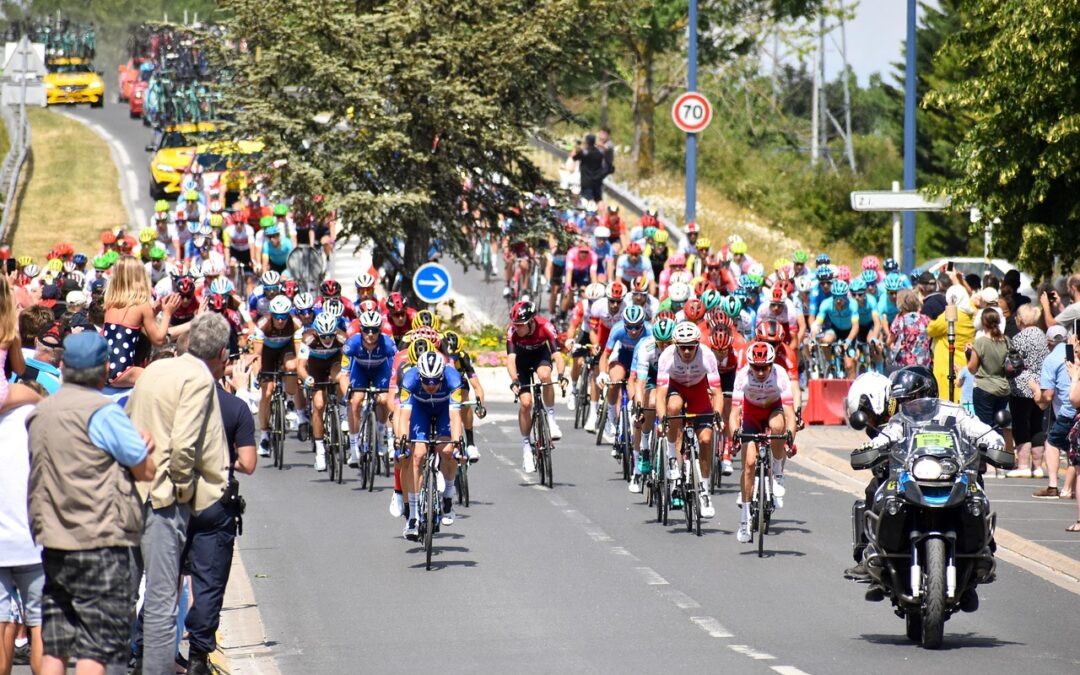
[{"x": 691, "y": 112}]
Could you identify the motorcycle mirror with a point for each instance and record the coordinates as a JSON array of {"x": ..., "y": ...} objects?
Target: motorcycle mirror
[
  {"x": 149, "y": 147},
  {"x": 1002, "y": 419},
  {"x": 859, "y": 420}
]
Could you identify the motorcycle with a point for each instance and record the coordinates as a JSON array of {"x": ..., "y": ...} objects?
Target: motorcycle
[{"x": 929, "y": 533}]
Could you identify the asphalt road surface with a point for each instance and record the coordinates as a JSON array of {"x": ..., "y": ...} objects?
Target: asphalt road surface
[{"x": 581, "y": 578}]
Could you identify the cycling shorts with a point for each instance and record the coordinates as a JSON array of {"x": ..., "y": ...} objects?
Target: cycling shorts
[
  {"x": 528, "y": 362},
  {"x": 727, "y": 383},
  {"x": 420, "y": 422},
  {"x": 580, "y": 278},
  {"x": 323, "y": 370},
  {"x": 241, "y": 257},
  {"x": 755, "y": 419},
  {"x": 378, "y": 377},
  {"x": 864, "y": 332},
  {"x": 623, "y": 356},
  {"x": 320, "y": 232},
  {"x": 557, "y": 275},
  {"x": 696, "y": 400},
  {"x": 273, "y": 358}
]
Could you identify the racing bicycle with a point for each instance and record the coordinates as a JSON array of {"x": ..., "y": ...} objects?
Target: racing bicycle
[{"x": 762, "y": 503}]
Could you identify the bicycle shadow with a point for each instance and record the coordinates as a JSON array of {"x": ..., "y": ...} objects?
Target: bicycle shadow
[
  {"x": 773, "y": 553},
  {"x": 777, "y": 526},
  {"x": 952, "y": 641}
]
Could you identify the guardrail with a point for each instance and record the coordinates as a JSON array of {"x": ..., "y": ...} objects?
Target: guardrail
[
  {"x": 18, "y": 129},
  {"x": 619, "y": 192}
]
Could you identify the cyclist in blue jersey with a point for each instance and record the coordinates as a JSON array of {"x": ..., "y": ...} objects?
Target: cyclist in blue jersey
[
  {"x": 276, "y": 248},
  {"x": 260, "y": 299},
  {"x": 887, "y": 309},
  {"x": 866, "y": 307},
  {"x": 643, "y": 368},
  {"x": 835, "y": 317},
  {"x": 320, "y": 361},
  {"x": 615, "y": 361},
  {"x": 430, "y": 391},
  {"x": 821, "y": 290},
  {"x": 632, "y": 266},
  {"x": 371, "y": 355}
]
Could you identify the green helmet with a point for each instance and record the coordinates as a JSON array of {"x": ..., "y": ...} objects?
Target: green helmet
[
  {"x": 161, "y": 206},
  {"x": 267, "y": 221},
  {"x": 157, "y": 253},
  {"x": 102, "y": 263},
  {"x": 281, "y": 210},
  {"x": 800, "y": 256},
  {"x": 112, "y": 256},
  {"x": 711, "y": 298},
  {"x": 663, "y": 330},
  {"x": 731, "y": 306}
]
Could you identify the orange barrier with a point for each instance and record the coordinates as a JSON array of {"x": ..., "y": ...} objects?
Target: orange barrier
[{"x": 824, "y": 401}]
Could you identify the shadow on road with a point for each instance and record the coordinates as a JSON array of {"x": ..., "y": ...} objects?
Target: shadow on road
[{"x": 952, "y": 640}]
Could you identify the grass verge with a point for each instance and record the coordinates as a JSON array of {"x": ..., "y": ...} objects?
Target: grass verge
[{"x": 69, "y": 190}]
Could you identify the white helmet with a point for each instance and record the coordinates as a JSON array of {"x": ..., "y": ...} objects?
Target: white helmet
[
  {"x": 270, "y": 278},
  {"x": 221, "y": 286},
  {"x": 687, "y": 333},
  {"x": 601, "y": 232},
  {"x": 325, "y": 324},
  {"x": 364, "y": 280},
  {"x": 595, "y": 291},
  {"x": 869, "y": 391},
  {"x": 803, "y": 283},
  {"x": 680, "y": 293},
  {"x": 280, "y": 305},
  {"x": 430, "y": 365},
  {"x": 370, "y": 320},
  {"x": 304, "y": 301},
  {"x": 334, "y": 307},
  {"x": 680, "y": 277},
  {"x": 756, "y": 270}
]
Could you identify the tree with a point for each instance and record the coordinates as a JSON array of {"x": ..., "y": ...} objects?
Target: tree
[
  {"x": 1020, "y": 157},
  {"x": 383, "y": 112}
]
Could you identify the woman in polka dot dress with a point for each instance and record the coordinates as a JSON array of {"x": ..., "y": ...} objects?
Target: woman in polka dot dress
[
  {"x": 130, "y": 319},
  {"x": 11, "y": 356}
]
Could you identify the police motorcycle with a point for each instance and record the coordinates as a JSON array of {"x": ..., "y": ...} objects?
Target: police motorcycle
[{"x": 928, "y": 535}]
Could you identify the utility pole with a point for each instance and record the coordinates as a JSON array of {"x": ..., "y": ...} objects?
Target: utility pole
[
  {"x": 823, "y": 114},
  {"x": 909, "y": 137},
  {"x": 814, "y": 126},
  {"x": 691, "y": 139},
  {"x": 849, "y": 146}
]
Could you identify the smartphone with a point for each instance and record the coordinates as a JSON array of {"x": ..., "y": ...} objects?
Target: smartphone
[
  {"x": 1070, "y": 353},
  {"x": 949, "y": 267}
]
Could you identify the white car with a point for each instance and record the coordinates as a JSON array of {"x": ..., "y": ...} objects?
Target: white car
[{"x": 997, "y": 266}]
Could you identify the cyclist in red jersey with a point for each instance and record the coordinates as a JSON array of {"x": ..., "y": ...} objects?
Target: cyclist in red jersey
[{"x": 531, "y": 348}]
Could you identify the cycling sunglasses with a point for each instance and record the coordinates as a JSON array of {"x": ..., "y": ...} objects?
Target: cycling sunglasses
[
  {"x": 371, "y": 331},
  {"x": 760, "y": 369},
  {"x": 635, "y": 329},
  {"x": 688, "y": 349},
  {"x": 859, "y": 295},
  {"x": 430, "y": 381}
]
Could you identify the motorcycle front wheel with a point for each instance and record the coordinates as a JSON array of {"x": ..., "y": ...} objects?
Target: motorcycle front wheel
[{"x": 933, "y": 617}]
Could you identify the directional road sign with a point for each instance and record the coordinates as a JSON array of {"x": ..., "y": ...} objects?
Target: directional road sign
[
  {"x": 431, "y": 283},
  {"x": 904, "y": 200},
  {"x": 691, "y": 112}
]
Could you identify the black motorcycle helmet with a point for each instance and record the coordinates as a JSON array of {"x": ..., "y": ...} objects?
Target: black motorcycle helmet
[{"x": 912, "y": 383}]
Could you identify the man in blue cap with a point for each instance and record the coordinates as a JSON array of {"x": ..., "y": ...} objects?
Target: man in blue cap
[{"x": 85, "y": 456}]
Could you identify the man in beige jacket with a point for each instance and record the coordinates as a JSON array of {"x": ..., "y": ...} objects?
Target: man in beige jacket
[{"x": 174, "y": 400}]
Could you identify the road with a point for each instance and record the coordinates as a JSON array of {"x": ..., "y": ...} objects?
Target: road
[{"x": 580, "y": 578}]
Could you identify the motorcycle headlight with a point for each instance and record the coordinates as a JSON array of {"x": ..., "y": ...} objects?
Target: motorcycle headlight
[{"x": 927, "y": 468}]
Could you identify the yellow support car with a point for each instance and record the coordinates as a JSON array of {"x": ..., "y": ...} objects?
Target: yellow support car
[
  {"x": 73, "y": 80},
  {"x": 224, "y": 165},
  {"x": 172, "y": 156}
]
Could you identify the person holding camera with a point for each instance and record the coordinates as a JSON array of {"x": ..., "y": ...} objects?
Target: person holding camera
[{"x": 1070, "y": 315}]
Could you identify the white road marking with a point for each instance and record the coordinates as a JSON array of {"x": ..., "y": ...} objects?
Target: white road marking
[
  {"x": 596, "y": 534},
  {"x": 576, "y": 516},
  {"x": 747, "y": 650},
  {"x": 711, "y": 626},
  {"x": 789, "y": 670},
  {"x": 678, "y": 598},
  {"x": 650, "y": 577}
]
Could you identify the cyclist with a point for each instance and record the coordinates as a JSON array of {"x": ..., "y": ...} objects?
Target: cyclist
[
  {"x": 763, "y": 401},
  {"x": 269, "y": 288},
  {"x": 276, "y": 339},
  {"x": 371, "y": 355},
  {"x": 657, "y": 252},
  {"x": 640, "y": 296},
  {"x": 532, "y": 348},
  {"x": 430, "y": 392},
  {"x": 675, "y": 263},
  {"x": 319, "y": 360},
  {"x": 869, "y": 321},
  {"x": 728, "y": 347},
  {"x": 365, "y": 288},
  {"x": 304, "y": 309},
  {"x": 835, "y": 316},
  {"x": 632, "y": 266},
  {"x": 688, "y": 247},
  {"x": 621, "y": 341},
  {"x": 399, "y": 318},
  {"x": 644, "y": 368},
  {"x": 686, "y": 379},
  {"x": 579, "y": 345},
  {"x": 782, "y": 310},
  {"x": 581, "y": 270},
  {"x": 331, "y": 290},
  {"x": 460, "y": 360},
  {"x": 238, "y": 239},
  {"x": 603, "y": 314},
  {"x": 275, "y": 249}
]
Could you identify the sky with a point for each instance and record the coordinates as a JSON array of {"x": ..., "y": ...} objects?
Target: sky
[{"x": 874, "y": 40}]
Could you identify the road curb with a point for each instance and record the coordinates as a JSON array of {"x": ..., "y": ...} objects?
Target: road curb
[
  {"x": 1055, "y": 567},
  {"x": 242, "y": 646}
]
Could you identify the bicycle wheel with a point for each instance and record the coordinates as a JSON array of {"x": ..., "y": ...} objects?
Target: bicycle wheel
[
  {"x": 542, "y": 448},
  {"x": 277, "y": 430},
  {"x": 370, "y": 441},
  {"x": 581, "y": 402},
  {"x": 328, "y": 446},
  {"x": 601, "y": 421},
  {"x": 695, "y": 480},
  {"x": 430, "y": 492},
  {"x": 762, "y": 498},
  {"x": 626, "y": 440}
]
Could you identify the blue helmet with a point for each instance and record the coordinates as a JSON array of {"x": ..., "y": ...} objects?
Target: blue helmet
[
  {"x": 822, "y": 259},
  {"x": 890, "y": 265},
  {"x": 857, "y": 286},
  {"x": 893, "y": 282},
  {"x": 840, "y": 288},
  {"x": 824, "y": 273},
  {"x": 870, "y": 277}
]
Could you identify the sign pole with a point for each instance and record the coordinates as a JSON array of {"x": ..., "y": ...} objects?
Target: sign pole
[
  {"x": 691, "y": 139},
  {"x": 909, "y": 138},
  {"x": 896, "y": 226}
]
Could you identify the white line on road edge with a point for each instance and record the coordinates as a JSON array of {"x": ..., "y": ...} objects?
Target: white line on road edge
[
  {"x": 650, "y": 577},
  {"x": 678, "y": 598},
  {"x": 712, "y": 627},
  {"x": 122, "y": 160},
  {"x": 789, "y": 670},
  {"x": 747, "y": 650}
]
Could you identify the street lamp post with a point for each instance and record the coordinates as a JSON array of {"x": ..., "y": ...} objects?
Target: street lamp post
[
  {"x": 691, "y": 139},
  {"x": 909, "y": 137}
]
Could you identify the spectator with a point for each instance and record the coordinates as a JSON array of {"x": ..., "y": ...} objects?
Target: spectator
[
  {"x": 591, "y": 163},
  {"x": 1007, "y": 305},
  {"x": 938, "y": 330},
  {"x": 175, "y": 402},
  {"x": 933, "y": 301},
  {"x": 986, "y": 361},
  {"x": 910, "y": 343},
  {"x": 1074, "y": 453},
  {"x": 84, "y": 511},
  {"x": 11, "y": 354},
  {"x": 33, "y": 321},
  {"x": 1030, "y": 342},
  {"x": 1068, "y": 316},
  {"x": 129, "y": 319},
  {"x": 1010, "y": 287},
  {"x": 604, "y": 144},
  {"x": 20, "y": 557},
  {"x": 212, "y": 533},
  {"x": 44, "y": 366},
  {"x": 1053, "y": 387}
]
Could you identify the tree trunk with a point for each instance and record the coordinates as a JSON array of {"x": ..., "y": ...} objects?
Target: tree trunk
[
  {"x": 417, "y": 242},
  {"x": 604, "y": 104},
  {"x": 644, "y": 113}
]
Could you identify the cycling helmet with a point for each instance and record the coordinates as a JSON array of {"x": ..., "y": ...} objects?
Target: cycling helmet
[
  {"x": 185, "y": 286},
  {"x": 303, "y": 302},
  {"x": 216, "y": 221},
  {"x": 704, "y": 244},
  {"x": 824, "y": 273},
  {"x": 640, "y": 285},
  {"x": 633, "y": 248},
  {"x": 785, "y": 273},
  {"x": 69, "y": 267},
  {"x": 756, "y": 270},
  {"x": 430, "y": 366},
  {"x": 779, "y": 264},
  {"x": 803, "y": 283},
  {"x": 732, "y": 238},
  {"x": 700, "y": 286},
  {"x": 200, "y": 241},
  {"x": 100, "y": 263},
  {"x": 649, "y": 231},
  {"x": 79, "y": 259},
  {"x": 522, "y": 313},
  {"x": 843, "y": 273},
  {"x": 417, "y": 347},
  {"x": 191, "y": 196},
  {"x": 661, "y": 237},
  {"x": 427, "y": 333},
  {"x": 147, "y": 235},
  {"x": 267, "y": 222},
  {"x": 370, "y": 320},
  {"x": 800, "y": 256},
  {"x": 677, "y": 260},
  {"x": 215, "y": 208},
  {"x": 112, "y": 256},
  {"x": 364, "y": 280},
  {"x": 663, "y": 330},
  {"x": 717, "y": 319},
  {"x": 738, "y": 247},
  {"x": 633, "y": 316},
  {"x": 731, "y": 306},
  {"x": 334, "y": 307},
  {"x": 870, "y": 277},
  {"x": 679, "y": 293},
  {"x": 157, "y": 253},
  {"x": 760, "y": 354},
  {"x": 890, "y": 265},
  {"x": 666, "y": 314},
  {"x": 426, "y": 317},
  {"x": 601, "y": 233},
  {"x": 777, "y": 294},
  {"x": 711, "y": 299},
  {"x": 325, "y": 324},
  {"x": 281, "y": 210},
  {"x": 769, "y": 331},
  {"x": 55, "y": 265},
  {"x": 108, "y": 237},
  {"x": 680, "y": 277},
  {"x": 911, "y": 383},
  {"x": 616, "y": 290},
  {"x": 692, "y": 228},
  {"x": 870, "y": 393},
  {"x": 330, "y": 288},
  {"x": 217, "y": 303},
  {"x": 694, "y": 309},
  {"x": 270, "y": 278},
  {"x": 721, "y": 338},
  {"x": 748, "y": 283},
  {"x": 289, "y": 288},
  {"x": 687, "y": 333},
  {"x": 395, "y": 304},
  {"x": 894, "y": 282},
  {"x": 31, "y": 270},
  {"x": 871, "y": 262},
  {"x": 279, "y": 306},
  {"x": 221, "y": 286},
  {"x": 840, "y": 288},
  {"x": 161, "y": 206},
  {"x": 822, "y": 259}
]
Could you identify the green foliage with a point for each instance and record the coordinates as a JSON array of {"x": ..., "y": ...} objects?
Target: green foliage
[{"x": 1019, "y": 159}]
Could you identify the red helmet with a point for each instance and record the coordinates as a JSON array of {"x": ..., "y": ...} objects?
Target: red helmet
[
  {"x": 633, "y": 248},
  {"x": 778, "y": 294},
  {"x": 395, "y": 303},
  {"x": 721, "y": 338},
  {"x": 330, "y": 288},
  {"x": 616, "y": 290},
  {"x": 770, "y": 331},
  {"x": 289, "y": 288},
  {"x": 760, "y": 354},
  {"x": 216, "y": 303},
  {"x": 694, "y": 309},
  {"x": 523, "y": 312},
  {"x": 666, "y": 314},
  {"x": 692, "y": 228},
  {"x": 185, "y": 287},
  {"x": 713, "y": 261},
  {"x": 367, "y": 305},
  {"x": 108, "y": 237},
  {"x": 718, "y": 320}
]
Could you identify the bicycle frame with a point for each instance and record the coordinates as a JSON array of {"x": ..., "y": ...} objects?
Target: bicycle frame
[{"x": 761, "y": 498}]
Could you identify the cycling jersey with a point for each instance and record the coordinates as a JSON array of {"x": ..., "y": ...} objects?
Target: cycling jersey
[
  {"x": 272, "y": 337},
  {"x": 887, "y": 309},
  {"x": 645, "y": 361},
  {"x": 622, "y": 343},
  {"x": 786, "y": 315},
  {"x": 278, "y": 255},
  {"x": 839, "y": 318},
  {"x": 867, "y": 311},
  {"x": 579, "y": 268},
  {"x": 628, "y": 270},
  {"x": 774, "y": 390},
  {"x": 651, "y": 306},
  {"x": 602, "y": 318},
  {"x": 238, "y": 237},
  {"x": 543, "y": 334},
  {"x": 672, "y": 369},
  {"x": 746, "y": 323}
]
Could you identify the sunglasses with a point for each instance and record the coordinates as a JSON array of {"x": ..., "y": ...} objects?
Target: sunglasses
[
  {"x": 635, "y": 329},
  {"x": 759, "y": 369},
  {"x": 430, "y": 382},
  {"x": 687, "y": 349},
  {"x": 860, "y": 295},
  {"x": 280, "y": 317},
  {"x": 371, "y": 331}
]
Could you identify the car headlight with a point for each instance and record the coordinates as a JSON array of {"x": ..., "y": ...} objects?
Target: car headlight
[
  {"x": 50, "y": 85},
  {"x": 165, "y": 168},
  {"x": 96, "y": 85},
  {"x": 927, "y": 468}
]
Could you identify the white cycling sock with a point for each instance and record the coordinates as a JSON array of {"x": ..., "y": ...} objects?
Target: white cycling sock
[
  {"x": 354, "y": 441},
  {"x": 319, "y": 447},
  {"x": 746, "y": 512},
  {"x": 777, "y": 468},
  {"x": 670, "y": 448},
  {"x": 637, "y": 458},
  {"x": 551, "y": 412},
  {"x": 595, "y": 407},
  {"x": 301, "y": 415},
  {"x": 413, "y": 509},
  {"x": 449, "y": 492}
]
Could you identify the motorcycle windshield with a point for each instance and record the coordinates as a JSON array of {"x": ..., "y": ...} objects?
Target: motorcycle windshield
[{"x": 936, "y": 440}]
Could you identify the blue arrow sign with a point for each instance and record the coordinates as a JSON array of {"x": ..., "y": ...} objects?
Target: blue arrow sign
[{"x": 431, "y": 283}]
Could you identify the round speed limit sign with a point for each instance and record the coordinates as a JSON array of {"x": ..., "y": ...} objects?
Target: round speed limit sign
[{"x": 692, "y": 112}]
